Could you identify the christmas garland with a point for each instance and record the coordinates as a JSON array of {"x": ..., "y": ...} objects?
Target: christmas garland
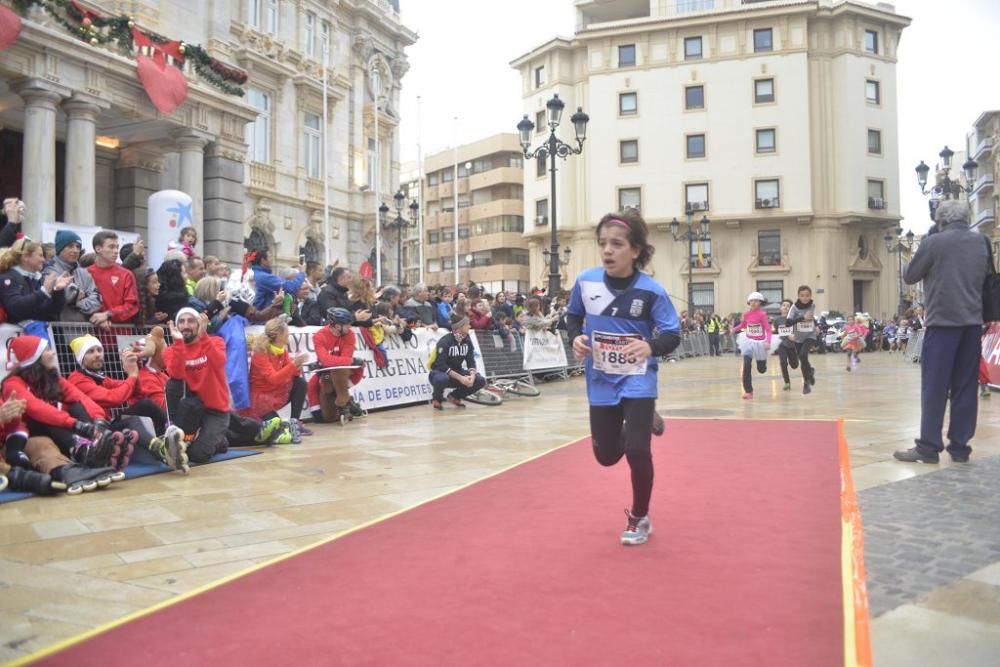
[{"x": 97, "y": 30}]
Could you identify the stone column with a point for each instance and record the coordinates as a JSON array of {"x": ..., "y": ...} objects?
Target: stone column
[
  {"x": 80, "y": 198},
  {"x": 38, "y": 189},
  {"x": 191, "y": 145},
  {"x": 224, "y": 197},
  {"x": 138, "y": 175}
]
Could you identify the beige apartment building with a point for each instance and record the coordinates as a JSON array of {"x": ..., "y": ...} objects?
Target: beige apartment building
[
  {"x": 485, "y": 206},
  {"x": 94, "y": 148},
  {"x": 981, "y": 146},
  {"x": 776, "y": 120}
]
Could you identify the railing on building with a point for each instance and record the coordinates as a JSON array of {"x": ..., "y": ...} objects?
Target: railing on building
[{"x": 263, "y": 175}]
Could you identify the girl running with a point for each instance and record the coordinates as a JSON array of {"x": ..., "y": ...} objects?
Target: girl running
[
  {"x": 787, "y": 353},
  {"x": 854, "y": 341},
  {"x": 756, "y": 342},
  {"x": 613, "y": 313},
  {"x": 802, "y": 316}
]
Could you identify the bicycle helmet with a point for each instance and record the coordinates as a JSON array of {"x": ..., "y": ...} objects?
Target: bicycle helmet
[{"x": 339, "y": 316}]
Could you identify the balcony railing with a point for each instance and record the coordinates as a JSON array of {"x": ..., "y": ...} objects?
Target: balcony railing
[
  {"x": 984, "y": 182},
  {"x": 876, "y": 203},
  {"x": 263, "y": 175},
  {"x": 984, "y": 216},
  {"x": 982, "y": 147},
  {"x": 769, "y": 259}
]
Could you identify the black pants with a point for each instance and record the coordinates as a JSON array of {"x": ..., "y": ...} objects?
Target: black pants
[
  {"x": 949, "y": 373},
  {"x": 808, "y": 372},
  {"x": 440, "y": 381},
  {"x": 713, "y": 345},
  {"x": 147, "y": 408},
  {"x": 611, "y": 442},
  {"x": 747, "y": 367},
  {"x": 296, "y": 398},
  {"x": 63, "y": 437},
  {"x": 210, "y": 429},
  {"x": 788, "y": 355}
]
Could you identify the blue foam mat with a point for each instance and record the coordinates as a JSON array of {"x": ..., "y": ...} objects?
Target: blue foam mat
[{"x": 141, "y": 465}]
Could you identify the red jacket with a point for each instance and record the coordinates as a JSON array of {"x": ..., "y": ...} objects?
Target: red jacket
[
  {"x": 153, "y": 386},
  {"x": 118, "y": 291},
  {"x": 271, "y": 378},
  {"x": 108, "y": 394},
  {"x": 47, "y": 413},
  {"x": 333, "y": 350},
  {"x": 477, "y": 321},
  {"x": 202, "y": 365}
]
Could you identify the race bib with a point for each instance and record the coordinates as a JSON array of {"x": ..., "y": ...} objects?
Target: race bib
[
  {"x": 606, "y": 349},
  {"x": 755, "y": 331},
  {"x": 852, "y": 335},
  {"x": 805, "y": 326},
  {"x": 784, "y": 331}
]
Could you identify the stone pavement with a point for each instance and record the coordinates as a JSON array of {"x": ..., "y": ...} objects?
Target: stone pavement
[{"x": 70, "y": 564}]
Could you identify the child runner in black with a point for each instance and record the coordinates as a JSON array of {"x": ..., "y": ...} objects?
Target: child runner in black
[
  {"x": 787, "y": 353},
  {"x": 611, "y": 318},
  {"x": 802, "y": 318}
]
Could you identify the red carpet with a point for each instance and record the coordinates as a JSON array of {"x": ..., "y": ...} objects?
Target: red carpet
[{"x": 743, "y": 568}]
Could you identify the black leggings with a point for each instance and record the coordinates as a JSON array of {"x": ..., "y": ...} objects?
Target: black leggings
[
  {"x": 788, "y": 356},
  {"x": 747, "y": 366},
  {"x": 296, "y": 398},
  {"x": 808, "y": 372},
  {"x": 611, "y": 442}
]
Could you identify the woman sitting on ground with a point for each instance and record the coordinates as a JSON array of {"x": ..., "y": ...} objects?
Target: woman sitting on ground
[{"x": 276, "y": 377}]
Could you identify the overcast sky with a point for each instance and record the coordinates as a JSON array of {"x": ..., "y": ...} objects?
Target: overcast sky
[{"x": 947, "y": 75}]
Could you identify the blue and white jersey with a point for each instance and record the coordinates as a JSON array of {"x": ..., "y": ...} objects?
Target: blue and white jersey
[{"x": 641, "y": 308}]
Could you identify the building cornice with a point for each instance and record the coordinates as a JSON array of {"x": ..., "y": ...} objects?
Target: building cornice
[{"x": 554, "y": 44}]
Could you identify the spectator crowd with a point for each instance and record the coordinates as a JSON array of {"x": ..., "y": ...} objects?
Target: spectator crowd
[{"x": 192, "y": 385}]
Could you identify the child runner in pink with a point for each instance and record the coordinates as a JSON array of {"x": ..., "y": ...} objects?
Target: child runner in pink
[
  {"x": 756, "y": 340},
  {"x": 854, "y": 340}
]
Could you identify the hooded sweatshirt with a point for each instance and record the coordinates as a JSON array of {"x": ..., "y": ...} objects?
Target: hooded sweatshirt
[
  {"x": 82, "y": 297},
  {"x": 804, "y": 329},
  {"x": 953, "y": 265}
]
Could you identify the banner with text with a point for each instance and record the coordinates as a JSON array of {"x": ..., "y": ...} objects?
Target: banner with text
[
  {"x": 403, "y": 379},
  {"x": 543, "y": 350}
]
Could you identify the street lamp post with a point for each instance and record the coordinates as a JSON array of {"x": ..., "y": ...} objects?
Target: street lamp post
[
  {"x": 899, "y": 244},
  {"x": 399, "y": 224},
  {"x": 690, "y": 236},
  {"x": 944, "y": 187},
  {"x": 553, "y": 147}
]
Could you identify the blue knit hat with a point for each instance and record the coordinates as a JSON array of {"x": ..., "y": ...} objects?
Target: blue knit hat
[{"x": 64, "y": 237}]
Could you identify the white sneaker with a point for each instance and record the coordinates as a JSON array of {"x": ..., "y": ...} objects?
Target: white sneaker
[{"x": 638, "y": 530}]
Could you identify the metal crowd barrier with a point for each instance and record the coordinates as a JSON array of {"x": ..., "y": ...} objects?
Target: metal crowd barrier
[
  {"x": 914, "y": 346},
  {"x": 502, "y": 358}
]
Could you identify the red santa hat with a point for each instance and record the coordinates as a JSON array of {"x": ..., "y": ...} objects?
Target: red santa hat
[{"x": 24, "y": 351}]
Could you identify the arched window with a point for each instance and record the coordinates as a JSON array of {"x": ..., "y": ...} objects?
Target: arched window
[
  {"x": 311, "y": 251},
  {"x": 256, "y": 241}
]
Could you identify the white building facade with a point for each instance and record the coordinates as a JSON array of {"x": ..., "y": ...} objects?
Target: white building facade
[
  {"x": 93, "y": 148},
  {"x": 775, "y": 120}
]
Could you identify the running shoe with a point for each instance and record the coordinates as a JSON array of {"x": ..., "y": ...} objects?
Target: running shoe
[
  {"x": 303, "y": 429},
  {"x": 747, "y": 394},
  {"x": 806, "y": 388},
  {"x": 788, "y": 386},
  {"x": 637, "y": 530},
  {"x": 269, "y": 430}
]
